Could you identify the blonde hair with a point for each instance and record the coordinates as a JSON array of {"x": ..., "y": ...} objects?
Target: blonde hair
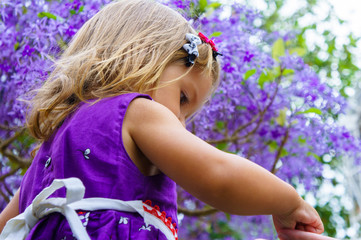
[{"x": 123, "y": 48}]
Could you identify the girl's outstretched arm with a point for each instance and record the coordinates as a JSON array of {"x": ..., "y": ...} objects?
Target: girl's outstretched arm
[
  {"x": 226, "y": 181},
  {"x": 11, "y": 210}
]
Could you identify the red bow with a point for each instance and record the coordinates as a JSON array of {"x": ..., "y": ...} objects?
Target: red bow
[{"x": 207, "y": 40}]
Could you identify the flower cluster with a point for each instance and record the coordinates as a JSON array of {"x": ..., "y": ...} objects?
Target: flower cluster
[
  {"x": 270, "y": 106},
  {"x": 32, "y": 35}
]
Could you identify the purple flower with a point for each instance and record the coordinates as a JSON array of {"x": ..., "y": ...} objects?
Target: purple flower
[
  {"x": 346, "y": 134},
  {"x": 180, "y": 4},
  {"x": 4, "y": 67},
  {"x": 276, "y": 134},
  {"x": 28, "y": 51},
  {"x": 228, "y": 68},
  {"x": 70, "y": 31},
  {"x": 248, "y": 56},
  {"x": 263, "y": 132}
]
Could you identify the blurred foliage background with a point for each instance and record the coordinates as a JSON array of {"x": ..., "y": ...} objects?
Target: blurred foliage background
[
  {"x": 307, "y": 30},
  {"x": 335, "y": 57}
]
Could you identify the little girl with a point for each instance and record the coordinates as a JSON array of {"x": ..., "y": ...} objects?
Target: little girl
[{"x": 111, "y": 118}]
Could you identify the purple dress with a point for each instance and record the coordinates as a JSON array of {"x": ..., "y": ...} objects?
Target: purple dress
[{"x": 89, "y": 146}]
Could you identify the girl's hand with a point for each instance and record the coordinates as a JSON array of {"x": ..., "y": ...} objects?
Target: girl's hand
[
  {"x": 288, "y": 234},
  {"x": 304, "y": 218}
]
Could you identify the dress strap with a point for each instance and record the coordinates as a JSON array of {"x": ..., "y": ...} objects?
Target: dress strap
[{"x": 20, "y": 226}]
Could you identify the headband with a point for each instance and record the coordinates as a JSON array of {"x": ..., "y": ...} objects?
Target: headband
[{"x": 192, "y": 49}]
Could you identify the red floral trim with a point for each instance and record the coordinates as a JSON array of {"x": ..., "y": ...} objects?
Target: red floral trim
[{"x": 154, "y": 210}]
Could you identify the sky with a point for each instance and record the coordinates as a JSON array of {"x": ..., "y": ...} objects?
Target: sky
[{"x": 348, "y": 10}]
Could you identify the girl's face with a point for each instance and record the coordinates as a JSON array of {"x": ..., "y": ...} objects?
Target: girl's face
[{"x": 186, "y": 95}]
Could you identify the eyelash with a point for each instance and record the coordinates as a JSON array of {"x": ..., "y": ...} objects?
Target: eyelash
[{"x": 183, "y": 99}]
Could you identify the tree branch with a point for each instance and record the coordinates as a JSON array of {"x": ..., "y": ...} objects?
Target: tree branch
[
  {"x": 10, "y": 173},
  {"x": 279, "y": 151},
  {"x": 4, "y": 127},
  {"x": 8, "y": 190},
  {"x": 6, "y": 198},
  {"x": 22, "y": 162},
  {"x": 258, "y": 116},
  {"x": 4, "y": 144},
  {"x": 197, "y": 213}
]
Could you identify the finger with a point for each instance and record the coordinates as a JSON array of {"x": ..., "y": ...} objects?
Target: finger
[
  {"x": 316, "y": 227},
  {"x": 308, "y": 228},
  {"x": 288, "y": 234},
  {"x": 300, "y": 226}
]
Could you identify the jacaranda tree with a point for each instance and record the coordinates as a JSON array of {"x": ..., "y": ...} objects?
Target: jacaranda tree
[{"x": 270, "y": 107}]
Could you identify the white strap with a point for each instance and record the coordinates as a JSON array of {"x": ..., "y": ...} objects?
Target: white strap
[{"x": 20, "y": 226}]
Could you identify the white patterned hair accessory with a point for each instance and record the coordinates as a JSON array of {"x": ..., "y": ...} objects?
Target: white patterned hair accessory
[{"x": 191, "y": 48}]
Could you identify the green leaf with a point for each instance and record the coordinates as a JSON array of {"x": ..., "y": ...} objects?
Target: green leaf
[
  {"x": 314, "y": 155},
  {"x": 222, "y": 146},
  {"x": 331, "y": 46},
  {"x": 215, "y": 34},
  {"x": 268, "y": 75},
  {"x": 240, "y": 108},
  {"x": 299, "y": 51},
  {"x": 287, "y": 72},
  {"x": 301, "y": 140},
  {"x": 23, "y": 171},
  {"x": 46, "y": 14},
  {"x": 220, "y": 125},
  {"x": 81, "y": 8},
  {"x": 72, "y": 12},
  {"x": 16, "y": 46},
  {"x": 311, "y": 110},
  {"x": 272, "y": 146},
  {"x": 202, "y": 5},
  {"x": 25, "y": 10},
  {"x": 294, "y": 122},
  {"x": 249, "y": 73},
  {"x": 63, "y": 45},
  {"x": 215, "y": 5},
  {"x": 262, "y": 79},
  {"x": 278, "y": 49},
  {"x": 284, "y": 153},
  {"x": 276, "y": 72},
  {"x": 282, "y": 117},
  {"x": 353, "y": 41}
]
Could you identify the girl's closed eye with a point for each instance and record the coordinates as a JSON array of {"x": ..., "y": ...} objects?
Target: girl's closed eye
[{"x": 183, "y": 98}]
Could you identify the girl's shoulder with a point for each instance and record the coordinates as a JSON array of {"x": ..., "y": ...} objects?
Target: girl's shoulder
[{"x": 141, "y": 108}]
